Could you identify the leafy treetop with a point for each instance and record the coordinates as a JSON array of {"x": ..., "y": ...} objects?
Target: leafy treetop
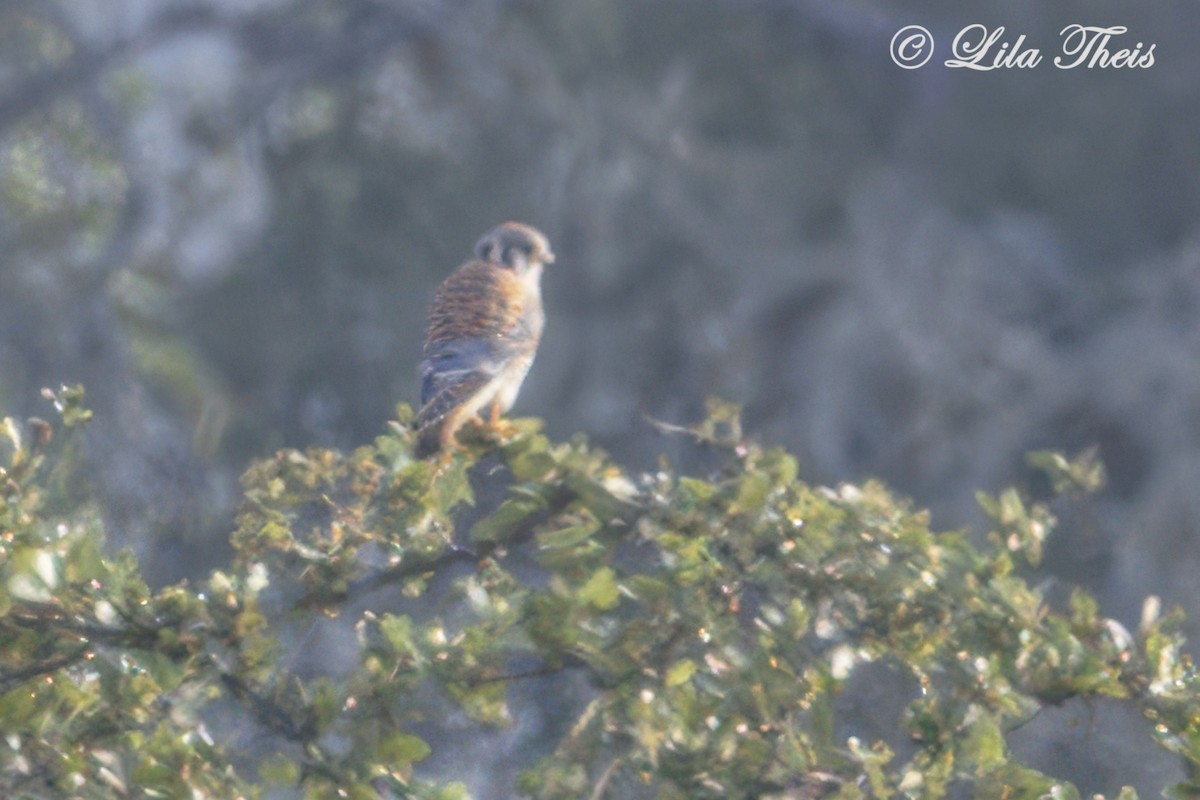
[{"x": 714, "y": 620}]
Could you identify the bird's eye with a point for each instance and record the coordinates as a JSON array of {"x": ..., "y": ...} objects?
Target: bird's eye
[{"x": 512, "y": 251}]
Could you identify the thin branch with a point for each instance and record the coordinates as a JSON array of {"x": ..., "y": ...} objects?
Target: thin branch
[
  {"x": 406, "y": 569},
  {"x": 47, "y": 618},
  {"x": 271, "y": 714},
  {"x": 10, "y": 679},
  {"x": 602, "y": 784},
  {"x": 568, "y": 662},
  {"x": 409, "y": 568}
]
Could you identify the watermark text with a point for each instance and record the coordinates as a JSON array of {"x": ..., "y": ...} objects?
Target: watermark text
[{"x": 980, "y": 48}]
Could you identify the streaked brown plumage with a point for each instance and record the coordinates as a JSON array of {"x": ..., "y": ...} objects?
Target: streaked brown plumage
[{"x": 484, "y": 327}]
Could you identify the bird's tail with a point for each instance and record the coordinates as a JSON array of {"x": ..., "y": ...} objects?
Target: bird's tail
[
  {"x": 447, "y": 393},
  {"x": 429, "y": 438}
]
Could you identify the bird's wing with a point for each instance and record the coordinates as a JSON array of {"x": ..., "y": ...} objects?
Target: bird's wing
[
  {"x": 451, "y": 364},
  {"x": 441, "y": 394}
]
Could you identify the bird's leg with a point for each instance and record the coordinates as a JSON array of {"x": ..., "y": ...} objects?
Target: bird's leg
[
  {"x": 502, "y": 427},
  {"x": 449, "y": 436}
]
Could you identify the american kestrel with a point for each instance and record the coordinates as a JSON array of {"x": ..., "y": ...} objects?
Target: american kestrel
[{"x": 484, "y": 327}]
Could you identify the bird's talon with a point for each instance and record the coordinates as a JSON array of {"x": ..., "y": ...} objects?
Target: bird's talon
[
  {"x": 504, "y": 429},
  {"x": 500, "y": 429}
]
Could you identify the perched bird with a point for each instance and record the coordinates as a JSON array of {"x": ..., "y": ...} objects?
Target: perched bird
[{"x": 484, "y": 327}]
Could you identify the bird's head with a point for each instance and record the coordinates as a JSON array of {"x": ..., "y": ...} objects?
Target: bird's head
[{"x": 514, "y": 245}]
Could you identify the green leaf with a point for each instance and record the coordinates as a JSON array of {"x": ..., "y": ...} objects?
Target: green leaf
[
  {"x": 569, "y": 536},
  {"x": 511, "y": 516},
  {"x": 874, "y": 760},
  {"x": 405, "y": 415},
  {"x": 279, "y": 770},
  {"x": 486, "y": 703},
  {"x": 166, "y": 671},
  {"x": 752, "y": 493},
  {"x": 1015, "y": 782},
  {"x": 984, "y": 746},
  {"x": 401, "y": 749},
  {"x": 454, "y": 791},
  {"x": 531, "y": 462},
  {"x": 326, "y": 702},
  {"x": 781, "y": 465},
  {"x": 550, "y": 625},
  {"x": 1084, "y": 609},
  {"x": 398, "y": 630},
  {"x": 68, "y": 401},
  {"x": 601, "y": 591},
  {"x": 680, "y": 672},
  {"x": 450, "y": 488},
  {"x": 1085, "y": 473},
  {"x": 696, "y": 491},
  {"x": 648, "y": 590},
  {"x": 1187, "y": 790}
]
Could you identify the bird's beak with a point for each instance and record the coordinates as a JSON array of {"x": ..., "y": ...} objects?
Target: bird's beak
[{"x": 548, "y": 258}]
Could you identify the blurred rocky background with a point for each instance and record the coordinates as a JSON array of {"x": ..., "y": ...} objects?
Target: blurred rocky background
[{"x": 226, "y": 218}]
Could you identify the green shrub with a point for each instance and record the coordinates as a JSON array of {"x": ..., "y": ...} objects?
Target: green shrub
[{"x": 713, "y": 621}]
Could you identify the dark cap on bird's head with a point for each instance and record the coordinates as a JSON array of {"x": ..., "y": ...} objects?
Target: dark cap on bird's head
[{"x": 515, "y": 245}]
